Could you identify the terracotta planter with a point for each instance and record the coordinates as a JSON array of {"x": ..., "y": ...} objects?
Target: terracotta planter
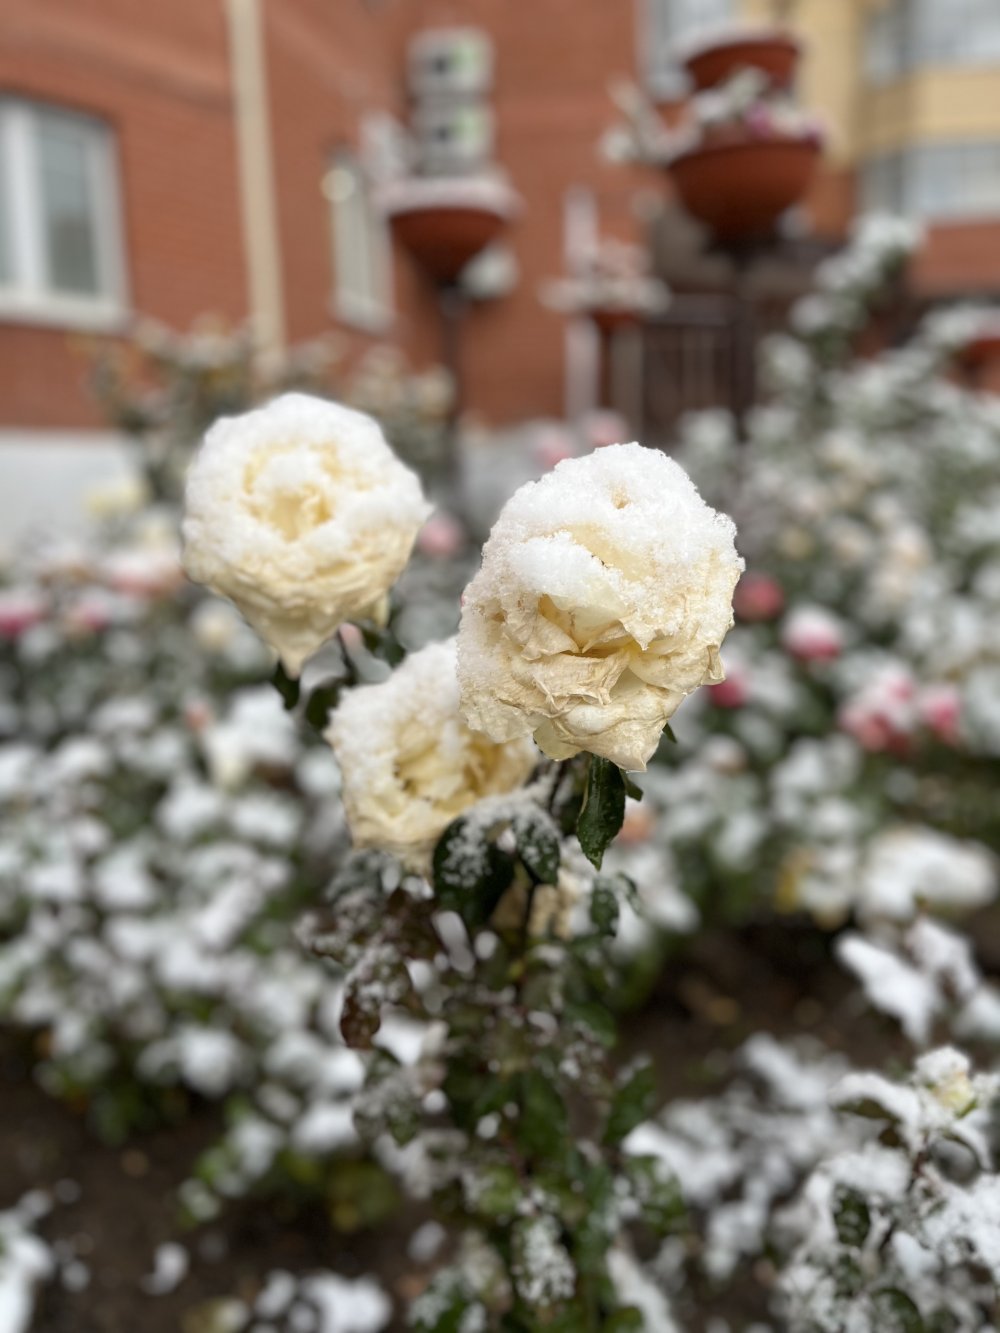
[
  {"x": 982, "y": 350},
  {"x": 443, "y": 238},
  {"x": 740, "y": 189},
  {"x": 776, "y": 54},
  {"x": 610, "y": 319}
]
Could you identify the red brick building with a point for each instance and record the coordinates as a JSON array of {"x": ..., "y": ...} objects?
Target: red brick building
[{"x": 172, "y": 159}]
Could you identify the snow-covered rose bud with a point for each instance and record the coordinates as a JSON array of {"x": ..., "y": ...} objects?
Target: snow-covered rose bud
[
  {"x": 408, "y": 761},
  {"x": 758, "y": 597},
  {"x": 733, "y": 692},
  {"x": 813, "y": 635},
  {"x": 301, "y": 514},
  {"x": 20, "y": 610},
  {"x": 940, "y": 709},
  {"x": 604, "y": 594}
]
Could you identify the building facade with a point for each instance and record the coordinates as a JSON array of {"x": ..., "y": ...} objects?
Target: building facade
[{"x": 222, "y": 156}]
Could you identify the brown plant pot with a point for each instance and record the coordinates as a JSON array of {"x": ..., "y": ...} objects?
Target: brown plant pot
[
  {"x": 981, "y": 351},
  {"x": 609, "y": 319},
  {"x": 740, "y": 189},
  {"x": 776, "y": 54},
  {"x": 444, "y": 238}
]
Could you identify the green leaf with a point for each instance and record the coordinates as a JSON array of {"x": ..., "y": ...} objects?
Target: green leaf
[
  {"x": 543, "y": 1125},
  {"x": 604, "y": 907},
  {"x": 598, "y": 1020},
  {"x": 657, "y": 1193},
  {"x": 537, "y": 845},
  {"x": 470, "y": 873},
  {"x": 321, "y": 704},
  {"x": 634, "y": 1100},
  {"x": 896, "y": 1312},
  {"x": 628, "y": 1319},
  {"x": 495, "y": 1192},
  {"x": 852, "y": 1218},
  {"x": 668, "y": 732},
  {"x": 379, "y": 978},
  {"x": 288, "y": 688},
  {"x": 603, "y": 811},
  {"x": 631, "y": 788}
]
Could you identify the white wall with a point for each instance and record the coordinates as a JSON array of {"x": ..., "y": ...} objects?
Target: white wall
[{"x": 45, "y": 476}]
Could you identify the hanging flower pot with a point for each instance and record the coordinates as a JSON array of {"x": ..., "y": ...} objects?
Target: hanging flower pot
[
  {"x": 739, "y": 187},
  {"x": 774, "y": 53},
  {"x": 611, "y": 319},
  {"x": 981, "y": 351},
  {"x": 446, "y": 221}
]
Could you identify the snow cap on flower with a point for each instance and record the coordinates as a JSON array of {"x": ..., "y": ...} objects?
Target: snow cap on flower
[
  {"x": 604, "y": 594},
  {"x": 301, "y": 514},
  {"x": 408, "y": 761}
]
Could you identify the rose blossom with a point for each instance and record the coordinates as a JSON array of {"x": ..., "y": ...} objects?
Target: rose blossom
[
  {"x": 812, "y": 634},
  {"x": 733, "y": 692},
  {"x": 604, "y": 594},
  {"x": 408, "y": 761},
  {"x": 940, "y": 709},
  {"x": 442, "y": 536},
  {"x": 758, "y": 597},
  {"x": 301, "y": 514},
  {"x": 20, "y": 610}
]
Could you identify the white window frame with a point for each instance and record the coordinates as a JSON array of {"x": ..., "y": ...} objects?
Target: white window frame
[
  {"x": 28, "y": 295},
  {"x": 661, "y": 27},
  {"x": 903, "y": 182},
  {"x": 361, "y": 246}
]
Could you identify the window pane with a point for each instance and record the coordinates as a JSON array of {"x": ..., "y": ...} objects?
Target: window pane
[
  {"x": 6, "y": 260},
  {"x": 69, "y": 206},
  {"x": 670, "y": 22}
]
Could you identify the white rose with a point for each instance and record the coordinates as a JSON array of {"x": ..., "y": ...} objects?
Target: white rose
[
  {"x": 409, "y": 764},
  {"x": 301, "y": 514},
  {"x": 604, "y": 594}
]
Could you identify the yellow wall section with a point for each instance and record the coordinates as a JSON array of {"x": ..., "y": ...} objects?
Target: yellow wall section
[
  {"x": 960, "y": 103},
  {"x": 930, "y": 105},
  {"x": 830, "y": 75}
]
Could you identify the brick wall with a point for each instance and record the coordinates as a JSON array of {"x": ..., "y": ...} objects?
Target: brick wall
[
  {"x": 159, "y": 74},
  {"x": 163, "y": 86}
]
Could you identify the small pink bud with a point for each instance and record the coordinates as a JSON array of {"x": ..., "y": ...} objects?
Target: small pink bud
[
  {"x": 940, "y": 709},
  {"x": 813, "y": 635},
  {"x": 442, "y": 536},
  {"x": 733, "y": 692},
  {"x": 20, "y": 610},
  {"x": 758, "y": 597}
]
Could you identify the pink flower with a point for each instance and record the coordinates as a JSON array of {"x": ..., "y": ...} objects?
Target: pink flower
[
  {"x": 871, "y": 730},
  {"x": 441, "y": 536},
  {"x": 758, "y": 597},
  {"x": 20, "y": 610},
  {"x": 733, "y": 692},
  {"x": 759, "y": 121},
  {"x": 940, "y": 709},
  {"x": 553, "y": 445},
  {"x": 882, "y": 717},
  {"x": 90, "y": 613},
  {"x": 145, "y": 573},
  {"x": 604, "y": 427},
  {"x": 813, "y": 635}
]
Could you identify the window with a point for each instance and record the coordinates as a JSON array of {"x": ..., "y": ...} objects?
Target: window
[
  {"x": 906, "y": 34},
  {"x": 362, "y": 251},
  {"x": 60, "y": 239},
  {"x": 937, "y": 181},
  {"x": 669, "y": 24}
]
